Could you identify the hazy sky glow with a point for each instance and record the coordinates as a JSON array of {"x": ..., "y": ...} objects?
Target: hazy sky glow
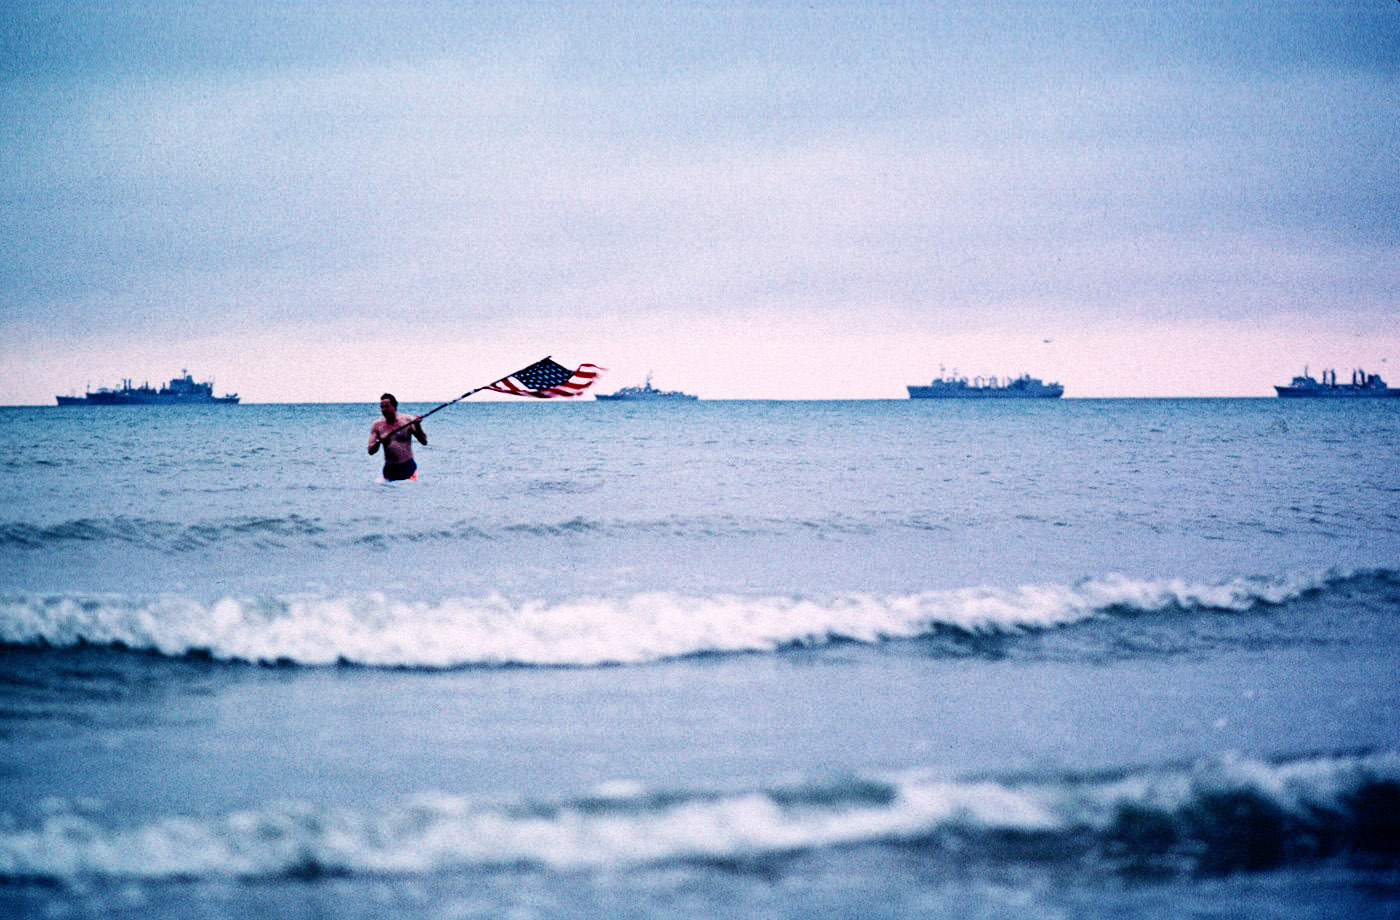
[{"x": 750, "y": 200}]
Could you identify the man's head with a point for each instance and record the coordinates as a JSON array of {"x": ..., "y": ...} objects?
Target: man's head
[{"x": 388, "y": 405}]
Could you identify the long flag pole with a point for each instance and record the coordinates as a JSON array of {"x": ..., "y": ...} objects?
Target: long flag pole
[{"x": 516, "y": 390}]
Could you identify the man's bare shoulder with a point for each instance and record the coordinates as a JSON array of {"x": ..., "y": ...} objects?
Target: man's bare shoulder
[{"x": 380, "y": 424}]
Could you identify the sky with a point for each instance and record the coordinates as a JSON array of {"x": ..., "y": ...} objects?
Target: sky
[{"x": 323, "y": 201}]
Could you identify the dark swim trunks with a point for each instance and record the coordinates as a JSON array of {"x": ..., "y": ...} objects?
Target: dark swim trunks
[{"x": 397, "y": 471}]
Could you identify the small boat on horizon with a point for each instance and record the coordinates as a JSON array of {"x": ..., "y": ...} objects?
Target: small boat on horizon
[{"x": 646, "y": 393}]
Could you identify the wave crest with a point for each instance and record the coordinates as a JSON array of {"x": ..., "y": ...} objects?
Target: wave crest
[
  {"x": 1225, "y": 815},
  {"x": 160, "y": 535},
  {"x": 376, "y": 630}
]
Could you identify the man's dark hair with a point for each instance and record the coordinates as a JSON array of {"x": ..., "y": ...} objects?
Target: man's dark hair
[{"x": 390, "y": 396}]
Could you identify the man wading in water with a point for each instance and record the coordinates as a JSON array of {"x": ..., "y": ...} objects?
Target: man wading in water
[{"x": 396, "y": 433}]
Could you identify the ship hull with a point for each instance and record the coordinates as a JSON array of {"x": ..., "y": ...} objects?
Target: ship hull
[
  {"x": 922, "y": 392},
  {"x": 118, "y": 399},
  {"x": 1342, "y": 392},
  {"x": 613, "y": 397}
]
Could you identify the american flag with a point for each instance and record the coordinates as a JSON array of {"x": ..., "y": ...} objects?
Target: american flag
[{"x": 547, "y": 379}]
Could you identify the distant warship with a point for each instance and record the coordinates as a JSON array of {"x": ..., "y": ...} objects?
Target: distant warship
[
  {"x": 646, "y": 392},
  {"x": 955, "y": 387},
  {"x": 1362, "y": 385},
  {"x": 181, "y": 391}
]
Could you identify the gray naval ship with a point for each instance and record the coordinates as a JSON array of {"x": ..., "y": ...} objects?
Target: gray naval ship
[
  {"x": 955, "y": 387},
  {"x": 1362, "y": 386},
  {"x": 645, "y": 392},
  {"x": 181, "y": 391}
]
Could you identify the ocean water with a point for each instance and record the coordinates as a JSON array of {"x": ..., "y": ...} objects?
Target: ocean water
[{"x": 1079, "y": 658}]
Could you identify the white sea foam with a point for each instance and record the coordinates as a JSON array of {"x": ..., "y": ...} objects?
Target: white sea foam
[
  {"x": 377, "y": 630},
  {"x": 1308, "y": 799}
]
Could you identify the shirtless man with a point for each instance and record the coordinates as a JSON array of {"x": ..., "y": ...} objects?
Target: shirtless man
[{"x": 398, "y": 448}]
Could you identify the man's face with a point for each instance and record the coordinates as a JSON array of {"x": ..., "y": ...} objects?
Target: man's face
[{"x": 387, "y": 408}]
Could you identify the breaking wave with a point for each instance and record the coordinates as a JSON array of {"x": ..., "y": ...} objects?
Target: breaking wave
[
  {"x": 377, "y": 630},
  {"x": 1224, "y": 815}
]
